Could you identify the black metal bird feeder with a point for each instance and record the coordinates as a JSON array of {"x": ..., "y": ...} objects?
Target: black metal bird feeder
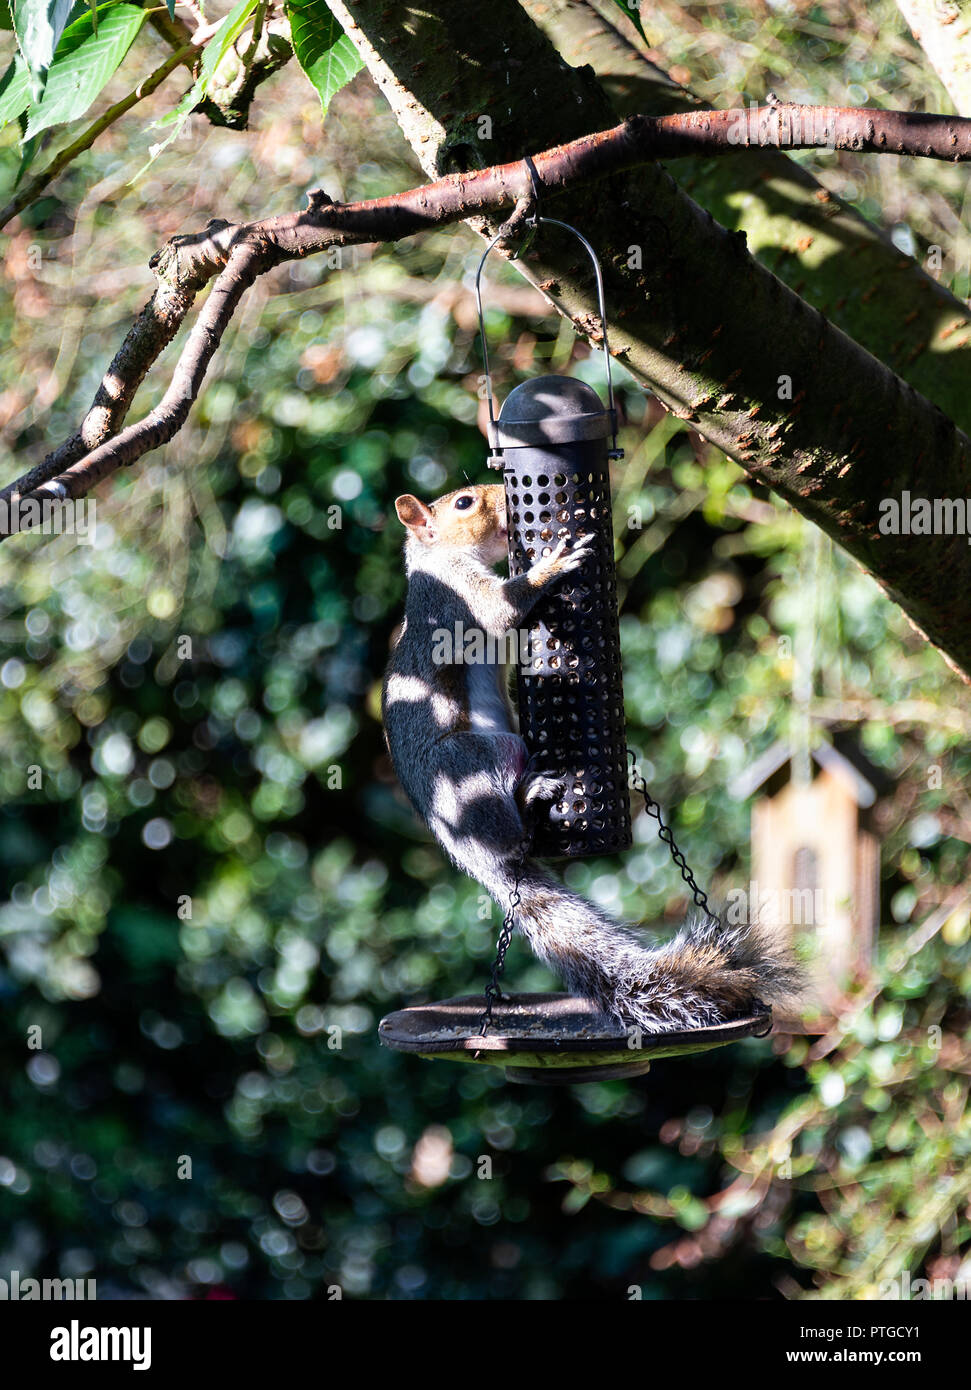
[{"x": 551, "y": 442}]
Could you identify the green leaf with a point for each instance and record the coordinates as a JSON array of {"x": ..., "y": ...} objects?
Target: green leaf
[
  {"x": 633, "y": 13},
  {"x": 6, "y": 18},
  {"x": 15, "y": 85},
  {"x": 14, "y": 91},
  {"x": 83, "y": 63},
  {"x": 27, "y": 151},
  {"x": 323, "y": 50},
  {"x": 212, "y": 55},
  {"x": 39, "y": 25}
]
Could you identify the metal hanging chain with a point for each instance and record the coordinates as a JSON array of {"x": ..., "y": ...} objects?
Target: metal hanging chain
[
  {"x": 664, "y": 833},
  {"x": 492, "y": 990}
]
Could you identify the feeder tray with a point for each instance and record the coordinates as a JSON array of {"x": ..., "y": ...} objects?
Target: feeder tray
[{"x": 554, "y": 1039}]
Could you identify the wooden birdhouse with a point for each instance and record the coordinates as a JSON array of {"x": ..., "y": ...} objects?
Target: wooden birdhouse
[{"x": 815, "y": 862}]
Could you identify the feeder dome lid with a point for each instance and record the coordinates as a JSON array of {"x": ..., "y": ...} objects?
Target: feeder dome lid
[{"x": 551, "y": 410}]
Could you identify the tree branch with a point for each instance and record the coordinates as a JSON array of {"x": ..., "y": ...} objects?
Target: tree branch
[
  {"x": 246, "y": 260},
  {"x": 823, "y": 249},
  {"x": 716, "y": 363},
  {"x": 943, "y": 30},
  {"x": 235, "y": 83},
  {"x": 149, "y": 335}
]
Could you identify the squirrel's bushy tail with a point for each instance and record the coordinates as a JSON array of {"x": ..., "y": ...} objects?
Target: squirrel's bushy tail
[{"x": 701, "y": 977}]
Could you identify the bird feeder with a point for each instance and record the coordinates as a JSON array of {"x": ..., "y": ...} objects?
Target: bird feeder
[{"x": 553, "y": 440}]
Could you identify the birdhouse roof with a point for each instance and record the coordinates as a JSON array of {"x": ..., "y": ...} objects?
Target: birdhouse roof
[{"x": 839, "y": 753}]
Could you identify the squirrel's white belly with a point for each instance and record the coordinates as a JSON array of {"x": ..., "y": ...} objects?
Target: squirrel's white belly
[{"x": 488, "y": 710}]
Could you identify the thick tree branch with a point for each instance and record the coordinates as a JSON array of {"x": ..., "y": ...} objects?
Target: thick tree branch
[
  {"x": 785, "y": 126},
  {"x": 187, "y": 263},
  {"x": 710, "y": 330},
  {"x": 823, "y": 249},
  {"x": 943, "y": 30}
]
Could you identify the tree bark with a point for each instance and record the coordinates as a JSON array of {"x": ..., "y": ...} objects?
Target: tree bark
[
  {"x": 695, "y": 317},
  {"x": 943, "y": 30},
  {"x": 839, "y": 263}
]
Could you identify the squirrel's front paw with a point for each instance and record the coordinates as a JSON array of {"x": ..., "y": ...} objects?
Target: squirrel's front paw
[
  {"x": 565, "y": 557},
  {"x": 568, "y": 560},
  {"x": 541, "y": 786}
]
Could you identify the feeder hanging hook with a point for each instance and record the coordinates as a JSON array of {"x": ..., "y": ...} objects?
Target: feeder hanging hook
[{"x": 536, "y": 219}]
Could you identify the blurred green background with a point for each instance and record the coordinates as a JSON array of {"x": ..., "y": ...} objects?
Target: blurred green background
[{"x": 218, "y": 890}]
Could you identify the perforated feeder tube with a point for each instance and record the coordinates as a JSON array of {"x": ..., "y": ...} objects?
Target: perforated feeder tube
[{"x": 552, "y": 436}]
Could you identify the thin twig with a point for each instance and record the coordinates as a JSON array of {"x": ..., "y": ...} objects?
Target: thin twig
[
  {"x": 915, "y": 942},
  {"x": 87, "y": 137}
]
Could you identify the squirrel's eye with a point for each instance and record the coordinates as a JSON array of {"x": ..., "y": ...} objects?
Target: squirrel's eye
[{"x": 462, "y": 504}]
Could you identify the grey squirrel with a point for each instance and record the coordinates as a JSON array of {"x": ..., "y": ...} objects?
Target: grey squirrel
[{"x": 450, "y": 733}]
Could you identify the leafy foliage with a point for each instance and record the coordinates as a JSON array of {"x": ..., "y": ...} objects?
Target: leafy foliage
[
  {"x": 14, "y": 91},
  {"x": 84, "y": 62},
  {"x": 324, "y": 51},
  {"x": 66, "y": 59},
  {"x": 39, "y": 25},
  {"x": 215, "y": 51}
]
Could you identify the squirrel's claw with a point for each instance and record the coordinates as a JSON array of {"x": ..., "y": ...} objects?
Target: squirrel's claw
[
  {"x": 571, "y": 559},
  {"x": 541, "y": 786}
]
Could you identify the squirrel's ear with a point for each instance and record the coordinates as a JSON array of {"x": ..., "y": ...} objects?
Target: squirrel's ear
[{"x": 413, "y": 514}]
